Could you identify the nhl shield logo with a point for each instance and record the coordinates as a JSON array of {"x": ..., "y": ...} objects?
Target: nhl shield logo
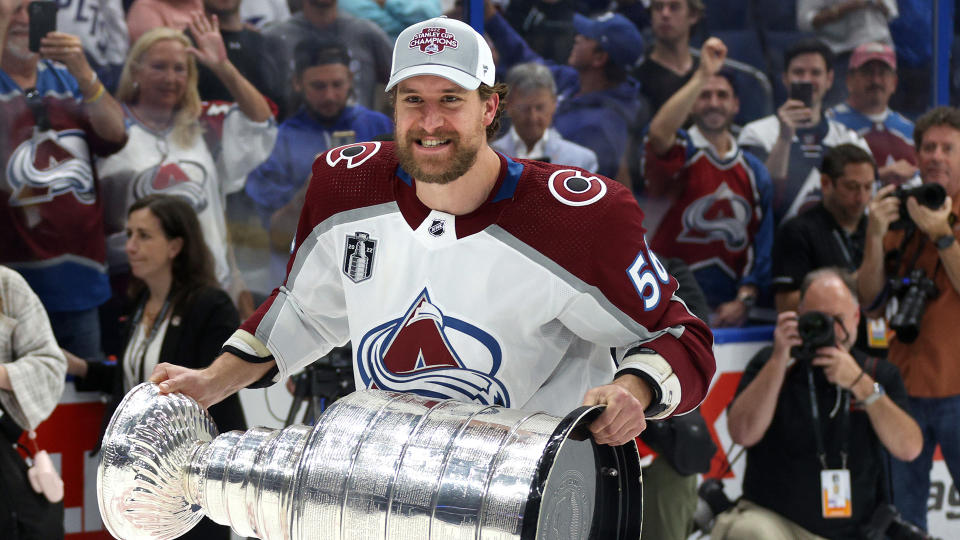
[
  {"x": 358, "y": 256},
  {"x": 433, "y": 40},
  {"x": 437, "y": 228}
]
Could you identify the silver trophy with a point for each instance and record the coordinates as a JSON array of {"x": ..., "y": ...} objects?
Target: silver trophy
[{"x": 377, "y": 465}]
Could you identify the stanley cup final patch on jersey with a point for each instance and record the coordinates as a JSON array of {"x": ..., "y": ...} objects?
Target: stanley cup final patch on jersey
[
  {"x": 358, "y": 256},
  {"x": 433, "y": 40}
]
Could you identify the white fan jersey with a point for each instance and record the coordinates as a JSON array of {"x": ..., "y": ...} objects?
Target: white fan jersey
[{"x": 516, "y": 304}]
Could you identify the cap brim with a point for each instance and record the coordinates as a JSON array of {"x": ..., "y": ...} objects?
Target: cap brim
[{"x": 467, "y": 81}]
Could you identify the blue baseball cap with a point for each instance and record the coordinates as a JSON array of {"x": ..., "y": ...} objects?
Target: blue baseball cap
[{"x": 616, "y": 35}]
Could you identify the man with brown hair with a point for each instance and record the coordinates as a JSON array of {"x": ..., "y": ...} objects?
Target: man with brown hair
[
  {"x": 669, "y": 64},
  {"x": 460, "y": 273},
  {"x": 925, "y": 253}
]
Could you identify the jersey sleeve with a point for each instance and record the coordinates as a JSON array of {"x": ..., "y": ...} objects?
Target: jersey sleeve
[
  {"x": 760, "y": 272},
  {"x": 305, "y": 318},
  {"x": 660, "y": 171},
  {"x": 643, "y": 298},
  {"x": 239, "y": 144}
]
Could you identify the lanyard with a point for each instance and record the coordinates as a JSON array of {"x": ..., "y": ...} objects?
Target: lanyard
[
  {"x": 145, "y": 342},
  {"x": 844, "y": 423}
]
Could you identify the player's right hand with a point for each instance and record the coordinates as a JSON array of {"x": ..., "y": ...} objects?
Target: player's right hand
[{"x": 196, "y": 383}]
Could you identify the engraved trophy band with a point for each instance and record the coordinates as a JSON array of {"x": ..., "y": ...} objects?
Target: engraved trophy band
[{"x": 377, "y": 465}]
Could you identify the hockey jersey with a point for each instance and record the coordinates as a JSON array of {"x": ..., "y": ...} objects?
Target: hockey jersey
[
  {"x": 889, "y": 135},
  {"x": 721, "y": 219},
  {"x": 800, "y": 190},
  {"x": 51, "y": 218},
  {"x": 202, "y": 173},
  {"x": 516, "y": 303}
]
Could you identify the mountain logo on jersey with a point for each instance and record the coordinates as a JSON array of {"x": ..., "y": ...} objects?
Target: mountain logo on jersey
[
  {"x": 353, "y": 154},
  {"x": 418, "y": 352},
  {"x": 574, "y": 189},
  {"x": 433, "y": 40},
  {"x": 49, "y": 165},
  {"x": 722, "y": 215},
  {"x": 358, "y": 257},
  {"x": 185, "y": 179}
]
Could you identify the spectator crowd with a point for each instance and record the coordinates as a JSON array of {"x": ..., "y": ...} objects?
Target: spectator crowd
[{"x": 156, "y": 156}]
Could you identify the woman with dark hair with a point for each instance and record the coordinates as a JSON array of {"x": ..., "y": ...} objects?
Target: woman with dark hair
[{"x": 179, "y": 315}]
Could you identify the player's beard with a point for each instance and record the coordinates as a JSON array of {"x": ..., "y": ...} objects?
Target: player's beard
[{"x": 463, "y": 158}]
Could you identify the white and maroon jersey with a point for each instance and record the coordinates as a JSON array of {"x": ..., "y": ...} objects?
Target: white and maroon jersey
[
  {"x": 720, "y": 221},
  {"x": 202, "y": 173},
  {"x": 51, "y": 215},
  {"x": 517, "y": 303}
]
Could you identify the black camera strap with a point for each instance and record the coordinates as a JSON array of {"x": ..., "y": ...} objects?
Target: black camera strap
[{"x": 818, "y": 428}]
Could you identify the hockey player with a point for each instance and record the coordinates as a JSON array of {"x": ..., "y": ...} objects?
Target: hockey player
[{"x": 457, "y": 272}]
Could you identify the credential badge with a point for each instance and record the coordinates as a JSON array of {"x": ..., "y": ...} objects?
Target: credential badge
[{"x": 358, "y": 256}]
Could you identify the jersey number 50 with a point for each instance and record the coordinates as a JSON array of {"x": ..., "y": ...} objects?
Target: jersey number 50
[{"x": 647, "y": 278}]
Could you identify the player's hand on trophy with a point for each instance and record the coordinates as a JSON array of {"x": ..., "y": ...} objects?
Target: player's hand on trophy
[
  {"x": 195, "y": 383},
  {"x": 622, "y": 420}
]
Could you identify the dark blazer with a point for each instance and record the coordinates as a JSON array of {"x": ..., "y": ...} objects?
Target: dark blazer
[{"x": 197, "y": 329}]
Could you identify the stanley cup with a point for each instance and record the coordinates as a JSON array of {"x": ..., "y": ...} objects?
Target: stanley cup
[{"x": 377, "y": 465}]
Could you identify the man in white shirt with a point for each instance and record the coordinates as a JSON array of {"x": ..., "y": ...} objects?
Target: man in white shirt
[{"x": 531, "y": 104}]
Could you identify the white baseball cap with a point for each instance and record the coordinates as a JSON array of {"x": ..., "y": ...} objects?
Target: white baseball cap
[{"x": 446, "y": 48}]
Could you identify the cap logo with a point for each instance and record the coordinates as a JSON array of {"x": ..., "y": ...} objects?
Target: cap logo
[{"x": 433, "y": 40}]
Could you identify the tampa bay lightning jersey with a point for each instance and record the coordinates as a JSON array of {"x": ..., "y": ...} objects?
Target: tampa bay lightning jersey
[{"x": 517, "y": 303}]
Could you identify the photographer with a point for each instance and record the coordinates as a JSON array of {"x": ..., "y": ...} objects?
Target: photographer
[
  {"x": 816, "y": 471},
  {"x": 928, "y": 306}
]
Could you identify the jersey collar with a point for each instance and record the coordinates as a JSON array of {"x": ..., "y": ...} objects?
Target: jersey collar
[{"x": 414, "y": 211}]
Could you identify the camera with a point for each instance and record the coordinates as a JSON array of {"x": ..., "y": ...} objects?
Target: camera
[
  {"x": 816, "y": 330},
  {"x": 929, "y": 195},
  {"x": 913, "y": 292},
  {"x": 712, "y": 502},
  {"x": 887, "y": 523}
]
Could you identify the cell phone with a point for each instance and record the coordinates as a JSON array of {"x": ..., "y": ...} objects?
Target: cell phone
[
  {"x": 43, "y": 20},
  {"x": 802, "y": 91}
]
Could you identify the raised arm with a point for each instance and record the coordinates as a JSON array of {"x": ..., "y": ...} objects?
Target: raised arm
[
  {"x": 673, "y": 113},
  {"x": 105, "y": 114},
  {"x": 212, "y": 53}
]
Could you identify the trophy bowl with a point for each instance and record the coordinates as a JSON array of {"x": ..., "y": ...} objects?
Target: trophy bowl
[{"x": 377, "y": 465}]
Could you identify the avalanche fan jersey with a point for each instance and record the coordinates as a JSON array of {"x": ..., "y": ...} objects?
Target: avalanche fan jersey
[
  {"x": 721, "y": 221},
  {"x": 890, "y": 136},
  {"x": 801, "y": 189},
  {"x": 51, "y": 219},
  {"x": 515, "y": 304}
]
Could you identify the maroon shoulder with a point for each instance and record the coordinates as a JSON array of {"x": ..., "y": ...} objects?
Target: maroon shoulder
[
  {"x": 562, "y": 212},
  {"x": 592, "y": 227},
  {"x": 349, "y": 177}
]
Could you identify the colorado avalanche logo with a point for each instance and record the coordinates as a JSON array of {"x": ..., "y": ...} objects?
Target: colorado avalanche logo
[
  {"x": 354, "y": 154},
  {"x": 722, "y": 215},
  {"x": 418, "y": 353},
  {"x": 574, "y": 189},
  {"x": 433, "y": 40},
  {"x": 184, "y": 179},
  {"x": 50, "y": 165}
]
